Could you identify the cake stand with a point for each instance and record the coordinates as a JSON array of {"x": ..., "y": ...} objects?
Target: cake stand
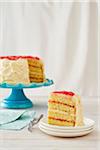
[{"x": 17, "y": 98}]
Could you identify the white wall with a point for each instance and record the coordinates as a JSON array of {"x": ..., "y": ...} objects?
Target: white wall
[{"x": 64, "y": 35}]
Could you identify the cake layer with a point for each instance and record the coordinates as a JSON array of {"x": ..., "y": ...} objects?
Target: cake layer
[
  {"x": 58, "y": 102},
  {"x": 35, "y": 69},
  {"x": 61, "y": 107},
  {"x": 36, "y": 80},
  {"x": 65, "y": 99},
  {"x": 36, "y": 74},
  {"x": 60, "y": 122},
  {"x": 61, "y": 115},
  {"x": 35, "y": 63}
]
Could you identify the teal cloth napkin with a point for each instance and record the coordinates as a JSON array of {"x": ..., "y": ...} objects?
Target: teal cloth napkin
[
  {"x": 7, "y": 115},
  {"x": 15, "y": 119}
]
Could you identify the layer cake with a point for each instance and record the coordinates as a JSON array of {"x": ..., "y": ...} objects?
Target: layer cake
[{"x": 21, "y": 69}]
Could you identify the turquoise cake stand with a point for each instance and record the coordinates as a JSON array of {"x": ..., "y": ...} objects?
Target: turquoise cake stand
[{"x": 17, "y": 98}]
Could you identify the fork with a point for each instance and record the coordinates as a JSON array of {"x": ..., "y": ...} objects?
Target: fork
[{"x": 34, "y": 122}]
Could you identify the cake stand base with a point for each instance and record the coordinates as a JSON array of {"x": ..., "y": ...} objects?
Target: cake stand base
[{"x": 16, "y": 100}]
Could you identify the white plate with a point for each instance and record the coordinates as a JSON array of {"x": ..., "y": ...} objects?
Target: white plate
[
  {"x": 65, "y": 134},
  {"x": 62, "y": 130},
  {"x": 88, "y": 123}
]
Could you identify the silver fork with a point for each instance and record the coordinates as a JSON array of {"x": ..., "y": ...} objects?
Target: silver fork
[{"x": 34, "y": 122}]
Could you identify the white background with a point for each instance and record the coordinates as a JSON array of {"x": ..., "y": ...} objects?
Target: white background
[{"x": 63, "y": 34}]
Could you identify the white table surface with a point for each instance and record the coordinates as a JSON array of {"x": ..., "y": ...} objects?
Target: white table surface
[{"x": 24, "y": 140}]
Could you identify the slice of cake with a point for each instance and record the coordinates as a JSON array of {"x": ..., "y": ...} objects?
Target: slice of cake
[
  {"x": 21, "y": 69},
  {"x": 64, "y": 109}
]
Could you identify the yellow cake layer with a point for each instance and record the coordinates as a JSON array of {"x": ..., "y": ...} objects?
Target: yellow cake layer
[
  {"x": 62, "y": 98},
  {"x": 61, "y": 107},
  {"x": 35, "y": 62},
  {"x": 36, "y": 75},
  {"x": 61, "y": 115},
  {"x": 35, "y": 69},
  {"x": 60, "y": 123},
  {"x": 36, "y": 80},
  {"x": 35, "y": 66}
]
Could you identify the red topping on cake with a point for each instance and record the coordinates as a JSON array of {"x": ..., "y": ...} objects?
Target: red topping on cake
[
  {"x": 30, "y": 57},
  {"x": 17, "y": 57},
  {"x": 10, "y": 57},
  {"x": 60, "y": 119},
  {"x": 65, "y": 92},
  {"x": 56, "y": 102}
]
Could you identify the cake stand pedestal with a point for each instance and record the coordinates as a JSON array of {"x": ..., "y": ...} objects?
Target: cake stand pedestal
[{"x": 17, "y": 98}]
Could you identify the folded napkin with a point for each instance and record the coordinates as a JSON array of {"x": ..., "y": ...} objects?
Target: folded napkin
[
  {"x": 15, "y": 119},
  {"x": 7, "y": 115}
]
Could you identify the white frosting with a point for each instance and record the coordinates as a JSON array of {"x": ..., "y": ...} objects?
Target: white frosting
[
  {"x": 14, "y": 71},
  {"x": 79, "y": 111}
]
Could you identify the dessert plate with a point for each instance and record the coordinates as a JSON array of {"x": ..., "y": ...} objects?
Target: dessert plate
[
  {"x": 64, "y": 131},
  {"x": 66, "y": 134},
  {"x": 88, "y": 124}
]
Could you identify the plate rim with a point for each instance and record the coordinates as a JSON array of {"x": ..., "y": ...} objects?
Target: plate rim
[
  {"x": 67, "y": 131},
  {"x": 48, "y": 82},
  {"x": 58, "y": 134},
  {"x": 68, "y": 128}
]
